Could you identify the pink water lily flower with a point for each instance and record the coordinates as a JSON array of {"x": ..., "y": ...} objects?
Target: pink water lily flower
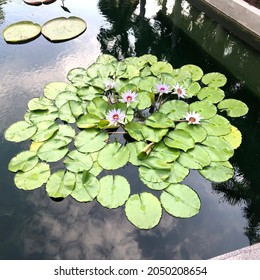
[
  {"x": 180, "y": 91},
  {"x": 162, "y": 88},
  {"x": 129, "y": 97},
  {"x": 193, "y": 118},
  {"x": 115, "y": 116}
]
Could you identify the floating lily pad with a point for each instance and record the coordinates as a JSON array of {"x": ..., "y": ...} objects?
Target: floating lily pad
[
  {"x": 164, "y": 152},
  {"x": 217, "y": 126},
  {"x": 174, "y": 109},
  {"x": 159, "y": 120},
  {"x": 60, "y": 184},
  {"x": 177, "y": 173},
  {"x": 195, "y": 158},
  {"x": 153, "y": 134},
  {"x": 154, "y": 175},
  {"x": 53, "y": 150},
  {"x": 234, "y": 138},
  {"x": 39, "y": 104},
  {"x": 20, "y": 131},
  {"x": 214, "y": 79},
  {"x": 34, "y": 178},
  {"x": 45, "y": 130},
  {"x": 78, "y": 162},
  {"x": 143, "y": 210},
  {"x": 155, "y": 186},
  {"x": 211, "y": 94},
  {"x": 38, "y": 2},
  {"x": 180, "y": 201},
  {"x": 63, "y": 29},
  {"x": 21, "y": 32},
  {"x": 196, "y": 72},
  {"x": 197, "y": 132},
  {"x": 206, "y": 109},
  {"x": 24, "y": 161},
  {"x": 91, "y": 140},
  {"x": 113, "y": 156},
  {"x": 218, "y": 171},
  {"x": 70, "y": 111},
  {"x": 233, "y": 107},
  {"x": 134, "y": 149},
  {"x": 52, "y": 89},
  {"x": 86, "y": 187},
  {"x": 114, "y": 191},
  {"x": 179, "y": 139}
]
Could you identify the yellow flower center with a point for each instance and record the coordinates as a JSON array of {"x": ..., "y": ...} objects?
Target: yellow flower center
[
  {"x": 115, "y": 116},
  {"x": 129, "y": 98},
  {"x": 192, "y": 119}
]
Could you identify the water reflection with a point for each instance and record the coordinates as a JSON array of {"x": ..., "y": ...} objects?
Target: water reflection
[{"x": 32, "y": 226}]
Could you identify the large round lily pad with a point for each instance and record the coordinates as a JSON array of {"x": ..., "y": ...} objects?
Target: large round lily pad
[
  {"x": 63, "y": 29},
  {"x": 144, "y": 210},
  {"x": 21, "y": 32}
]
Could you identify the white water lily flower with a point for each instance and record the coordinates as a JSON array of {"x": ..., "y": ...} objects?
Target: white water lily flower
[
  {"x": 115, "y": 116},
  {"x": 109, "y": 85},
  {"x": 162, "y": 88},
  {"x": 129, "y": 97},
  {"x": 193, "y": 118},
  {"x": 180, "y": 91}
]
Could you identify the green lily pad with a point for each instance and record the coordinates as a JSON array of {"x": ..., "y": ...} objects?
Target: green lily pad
[
  {"x": 24, "y": 161},
  {"x": 218, "y": 171},
  {"x": 20, "y": 131},
  {"x": 113, "y": 156},
  {"x": 34, "y": 178},
  {"x": 134, "y": 149},
  {"x": 63, "y": 29},
  {"x": 155, "y": 186},
  {"x": 206, "y": 109},
  {"x": 98, "y": 107},
  {"x": 65, "y": 133},
  {"x": 70, "y": 111},
  {"x": 161, "y": 151},
  {"x": 154, "y": 175},
  {"x": 180, "y": 201},
  {"x": 60, "y": 184},
  {"x": 21, "y": 32},
  {"x": 161, "y": 67},
  {"x": 143, "y": 210},
  {"x": 179, "y": 139},
  {"x": 234, "y": 138},
  {"x": 45, "y": 130},
  {"x": 114, "y": 191},
  {"x": 234, "y": 108},
  {"x": 174, "y": 109},
  {"x": 217, "y": 126},
  {"x": 214, "y": 79},
  {"x": 159, "y": 120},
  {"x": 195, "y": 158},
  {"x": 52, "y": 89},
  {"x": 196, "y": 71},
  {"x": 197, "y": 132},
  {"x": 211, "y": 94},
  {"x": 177, "y": 173},
  {"x": 53, "y": 150},
  {"x": 78, "y": 162},
  {"x": 65, "y": 96},
  {"x": 153, "y": 134},
  {"x": 193, "y": 89},
  {"x": 91, "y": 140},
  {"x": 40, "y": 116},
  {"x": 39, "y": 104},
  {"x": 218, "y": 148},
  {"x": 86, "y": 187},
  {"x": 88, "y": 121}
]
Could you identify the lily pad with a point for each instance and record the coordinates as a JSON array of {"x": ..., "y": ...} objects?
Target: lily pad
[
  {"x": 197, "y": 132},
  {"x": 114, "y": 191},
  {"x": 206, "y": 109},
  {"x": 52, "y": 89},
  {"x": 234, "y": 108},
  {"x": 113, "y": 156},
  {"x": 218, "y": 171},
  {"x": 159, "y": 120},
  {"x": 234, "y": 138},
  {"x": 217, "y": 126},
  {"x": 86, "y": 187},
  {"x": 196, "y": 71},
  {"x": 214, "y": 79},
  {"x": 177, "y": 173},
  {"x": 63, "y": 29},
  {"x": 70, "y": 111},
  {"x": 180, "y": 201},
  {"x": 24, "y": 161},
  {"x": 45, "y": 130},
  {"x": 211, "y": 94},
  {"x": 39, "y": 104},
  {"x": 164, "y": 152},
  {"x": 21, "y": 32},
  {"x": 20, "y": 131},
  {"x": 78, "y": 162},
  {"x": 34, "y": 178},
  {"x": 179, "y": 139},
  {"x": 53, "y": 150},
  {"x": 174, "y": 109},
  {"x": 91, "y": 140},
  {"x": 143, "y": 210},
  {"x": 153, "y": 134},
  {"x": 60, "y": 184}
]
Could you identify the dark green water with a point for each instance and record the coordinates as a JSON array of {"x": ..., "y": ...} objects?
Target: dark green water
[{"x": 32, "y": 226}]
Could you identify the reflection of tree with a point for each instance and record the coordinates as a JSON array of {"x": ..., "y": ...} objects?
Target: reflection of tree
[
  {"x": 130, "y": 33},
  {"x": 2, "y": 2}
]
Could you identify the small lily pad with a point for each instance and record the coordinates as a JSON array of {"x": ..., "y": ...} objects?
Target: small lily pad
[
  {"x": 20, "y": 131},
  {"x": 143, "y": 210},
  {"x": 214, "y": 79},
  {"x": 63, "y": 29},
  {"x": 114, "y": 191},
  {"x": 234, "y": 108},
  {"x": 24, "y": 161},
  {"x": 78, "y": 162},
  {"x": 21, "y": 32}
]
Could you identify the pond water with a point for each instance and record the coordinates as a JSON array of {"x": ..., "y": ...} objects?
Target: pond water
[{"x": 32, "y": 226}]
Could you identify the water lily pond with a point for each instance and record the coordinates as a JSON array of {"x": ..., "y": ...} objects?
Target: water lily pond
[{"x": 132, "y": 141}]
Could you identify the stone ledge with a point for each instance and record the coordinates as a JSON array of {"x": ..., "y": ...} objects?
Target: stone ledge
[
  {"x": 246, "y": 253},
  {"x": 242, "y": 19}
]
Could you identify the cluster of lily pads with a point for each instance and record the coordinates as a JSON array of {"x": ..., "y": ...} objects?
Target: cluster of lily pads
[{"x": 138, "y": 111}]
